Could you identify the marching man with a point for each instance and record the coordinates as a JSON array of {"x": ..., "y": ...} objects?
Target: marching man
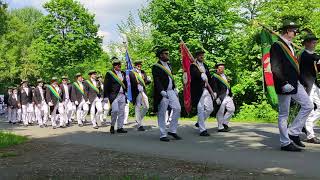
[
  {"x": 105, "y": 105},
  {"x": 308, "y": 68},
  {"x": 139, "y": 80},
  {"x": 94, "y": 93},
  {"x": 67, "y": 104},
  {"x": 79, "y": 98},
  {"x": 41, "y": 107},
  {"x": 26, "y": 102},
  {"x": 165, "y": 94},
  {"x": 6, "y": 100},
  {"x": 224, "y": 98},
  {"x": 115, "y": 86},
  {"x": 286, "y": 72},
  {"x": 13, "y": 102},
  {"x": 201, "y": 98},
  {"x": 54, "y": 99}
]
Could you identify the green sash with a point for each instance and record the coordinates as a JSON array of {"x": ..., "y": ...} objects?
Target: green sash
[
  {"x": 78, "y": 87},
  {"x": 221, "y": 79},
  {"x": 139, "y": 79},
  {"x": 293, "y": 60},
  {"x": 115, "y": 77},
  {"x": 54, "y": 92},
  {"x": 165, "y": 70},
  {"x": 92, "y": 86}
]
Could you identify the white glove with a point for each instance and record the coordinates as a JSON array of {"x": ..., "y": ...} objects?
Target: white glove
[
  {"x": 105, "y": 100},
  {"x": 164, "y": 94},
  {"x": 218, "y": 101},
  {"x": 204, "y": 77},
  {"x": 50, "y": 104},
  {"x": 140, "y": 88},
  {"x": 287, "y": 88},
  {"x": 176, "y": 91},
  {"x": 148, "y": 78},
  {"x": 88, "y": 102},
  {"x": 76, "y": 102}
]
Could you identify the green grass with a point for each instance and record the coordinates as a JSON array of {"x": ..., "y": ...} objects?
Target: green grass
[{"x": 8, "y": 139}]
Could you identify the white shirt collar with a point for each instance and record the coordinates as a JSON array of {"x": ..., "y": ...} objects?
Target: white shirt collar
[{"x": 308, "y": 51}]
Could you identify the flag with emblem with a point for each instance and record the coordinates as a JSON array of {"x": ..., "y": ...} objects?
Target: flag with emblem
[{"x": 129, "y": 68}]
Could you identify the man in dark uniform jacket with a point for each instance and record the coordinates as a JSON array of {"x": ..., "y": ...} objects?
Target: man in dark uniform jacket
[
  {"x": 79, "y": 98},
  {"x": 165, "y": 95},
  {"x": 286, "y": 73},
  {"x": 65, "y": 87},
  {"x": 13, "y": 103},
  {"x": 6, "y": 101},
  {"x": 25, "y": 94},
  {"x": 54, "y": 100},
  {"x": 139, "y": 80},
  {"x": 224, "y": 101},
  {"x": 94, "y": 92},
  {"x": 200, "y": 96},
  {"x": 309, "y": 61},
  {"x": 41, "y": 107},
  {"x": 115, "y": 87}
]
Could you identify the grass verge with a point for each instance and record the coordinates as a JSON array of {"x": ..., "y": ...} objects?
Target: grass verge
[{"x": 8, "y": 139}]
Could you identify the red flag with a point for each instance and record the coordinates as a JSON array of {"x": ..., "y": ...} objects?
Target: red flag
[{"x": 187, "y": 59}]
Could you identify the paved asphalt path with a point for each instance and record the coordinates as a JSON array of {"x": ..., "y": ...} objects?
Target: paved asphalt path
[{"x": 251, "y": 147}]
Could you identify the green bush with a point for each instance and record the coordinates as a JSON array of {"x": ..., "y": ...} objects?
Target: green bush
[{"x": 259, "y": 112}]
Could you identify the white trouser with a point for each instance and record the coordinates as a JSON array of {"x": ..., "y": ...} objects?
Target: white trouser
[
  {"x": 54, "y": 116},
  {"x": 10, "y": 114},
  {"x": 173, "y": 101},
  {"x": 106, "y": 109},
  {"x": 225, "y": 112},
  {"x": 82, "y": 111},
  {"x": 19, "y": 114},
  {"x": 13, "y": 112},
  {"x": 118, "y": 111},
  {"x": 302, "y": 98},
  {"x": 315, "y": 114},
  {"x": 205, "y": 108},
  {"x": 141, "y": 107},
  {"x": 27, "y": 111},
  {"x": 126, "y": 113},
  {"x": 68, "y": 108},
  {"x": 95, "y": 116},
  {"x": 168, "y": 117},
  {"x": 41, "y": 111}
]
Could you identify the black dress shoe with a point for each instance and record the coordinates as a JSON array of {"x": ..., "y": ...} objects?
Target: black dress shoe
[
  {"x": 121, "y": 130},
  {"x": 14, "y": 123},
  {"x": 112, "y": 129},
  {"x": 225, "y": 126},
  {"x": 313, "y": 140},
  {"x": 196, "y": 125},
  {"x": 290, "y": 147},
  {"x": 10, "y": 122},
  {"x": 296, "y": 140},
  {"x": 223, "y": 130},
  {"x": 141, "y": 128},
  {"x": 54, "y": 127},
  {"x": 174, "y": 135},
  {"x": 95, "y": 127},
  {"x": 165, "y": 139},
  {"x": 204, "y": 133},
  {"x": 80, "y": 125},
  {"x": 41, "y": 126}
]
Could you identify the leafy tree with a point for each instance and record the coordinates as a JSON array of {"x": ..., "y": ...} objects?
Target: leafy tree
[{"x": 67, "y": 37}]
